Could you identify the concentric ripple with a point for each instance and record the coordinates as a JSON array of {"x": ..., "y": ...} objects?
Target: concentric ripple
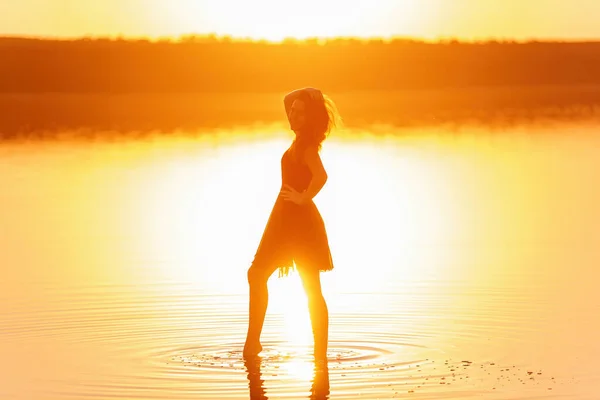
[
  {"x": 125, "y": 345},
  {"x": 340, "y": 355}
]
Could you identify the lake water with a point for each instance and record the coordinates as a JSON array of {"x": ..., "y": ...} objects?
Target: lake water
[{"x": 466, "y": 265}]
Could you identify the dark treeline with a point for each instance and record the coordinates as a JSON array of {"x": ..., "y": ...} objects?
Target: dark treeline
[{"x": 195, "y": 65}]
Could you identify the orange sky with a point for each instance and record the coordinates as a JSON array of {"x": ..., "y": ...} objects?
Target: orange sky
[{"x": 275, "y": 19}]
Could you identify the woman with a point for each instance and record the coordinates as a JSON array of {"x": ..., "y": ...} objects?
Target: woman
[{"x": 295, "y": 232}]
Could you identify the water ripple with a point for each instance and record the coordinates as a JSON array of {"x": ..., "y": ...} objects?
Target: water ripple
[{"x": 140, "y": 346}]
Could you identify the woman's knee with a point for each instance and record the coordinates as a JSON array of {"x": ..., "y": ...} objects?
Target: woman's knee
[
  {"x": 256, "y": 275},
  {"x": 311, "y": 282}
]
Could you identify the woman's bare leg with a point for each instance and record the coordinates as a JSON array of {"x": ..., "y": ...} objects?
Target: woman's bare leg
[
  {"x": 258, "y": 302},
  {"x": 319, "y": 315}
]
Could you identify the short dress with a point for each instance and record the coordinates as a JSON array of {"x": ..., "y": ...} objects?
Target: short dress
[{"x": 294, "y": 234}]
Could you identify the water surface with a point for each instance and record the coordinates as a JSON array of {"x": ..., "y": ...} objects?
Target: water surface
[{"x": 466, "y": 265}]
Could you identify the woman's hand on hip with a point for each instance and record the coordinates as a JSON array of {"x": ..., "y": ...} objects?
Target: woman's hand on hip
[{"x": 288, "y": 193}]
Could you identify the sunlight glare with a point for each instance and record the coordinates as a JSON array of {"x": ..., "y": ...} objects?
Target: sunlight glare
[
  {"x": 194, "y": 210},
  {"x": 276, "y": 20},
  {"x": 402, "y": 191},
  {"x": 300, "y": 370},
  {"x": 289, "y": 301}
]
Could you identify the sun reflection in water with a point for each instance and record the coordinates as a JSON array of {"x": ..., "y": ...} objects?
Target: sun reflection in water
[
  {"x": 201, "y": 209},
  {"x": 300, "y": 370},
  {"x": 288, "y": 299},
  {"x": 510, "y": 217}
]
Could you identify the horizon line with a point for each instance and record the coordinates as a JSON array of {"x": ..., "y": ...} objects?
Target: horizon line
[{"x": 291, "y": 39}]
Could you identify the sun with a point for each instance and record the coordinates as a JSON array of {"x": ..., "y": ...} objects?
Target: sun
[{"x": 276, "y": 19}]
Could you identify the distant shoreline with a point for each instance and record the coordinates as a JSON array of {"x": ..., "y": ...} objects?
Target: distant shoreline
[{"x": 49, "y": 113}]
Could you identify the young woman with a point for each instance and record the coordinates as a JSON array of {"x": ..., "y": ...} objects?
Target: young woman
[{"x": 295, "y": 232}]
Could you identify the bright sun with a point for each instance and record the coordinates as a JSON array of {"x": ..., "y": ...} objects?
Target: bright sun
[{"x": 277, "y": 19}]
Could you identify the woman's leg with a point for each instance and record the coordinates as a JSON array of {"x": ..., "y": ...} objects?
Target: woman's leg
[
  {"x": 259, "y": 299},
  {"x": 317, "y": 307}
]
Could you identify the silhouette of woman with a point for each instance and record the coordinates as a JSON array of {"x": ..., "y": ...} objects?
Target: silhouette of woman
[{"x": 295, "y": 232}]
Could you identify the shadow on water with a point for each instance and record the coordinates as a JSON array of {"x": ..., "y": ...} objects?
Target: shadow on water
[{"x": 319, "y": 390}]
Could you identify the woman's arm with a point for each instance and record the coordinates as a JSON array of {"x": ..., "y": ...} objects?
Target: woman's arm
[{"x": 289, "y": 98}]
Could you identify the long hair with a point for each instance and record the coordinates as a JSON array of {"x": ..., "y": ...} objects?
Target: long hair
[{"x": 321, "y": 118}]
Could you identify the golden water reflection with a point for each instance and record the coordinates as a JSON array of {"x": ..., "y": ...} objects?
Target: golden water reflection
[
  {"x": 396, "y": 206},
  {"x": 403, "y": 205},
  {"x": 209, "y": 210},
  {"x": 429, "y": 232}
]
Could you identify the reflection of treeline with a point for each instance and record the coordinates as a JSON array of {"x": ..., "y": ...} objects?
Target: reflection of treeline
[
  {"x": 216, "y": 65},
  {"x": 38, "y": 115}
]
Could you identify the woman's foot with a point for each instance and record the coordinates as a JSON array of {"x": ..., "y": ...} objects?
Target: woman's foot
[{"x": 252, "y": 349}]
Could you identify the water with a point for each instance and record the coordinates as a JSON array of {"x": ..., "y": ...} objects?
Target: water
[{"x": 466, "y": 265}]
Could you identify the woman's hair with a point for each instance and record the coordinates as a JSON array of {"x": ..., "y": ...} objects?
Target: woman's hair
[{"x": 321, "y": 118}]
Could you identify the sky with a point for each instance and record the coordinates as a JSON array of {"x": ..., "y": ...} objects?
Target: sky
[{"x": 277, "y": 19}]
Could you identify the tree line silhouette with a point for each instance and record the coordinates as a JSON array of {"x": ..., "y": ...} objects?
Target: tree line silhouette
[{"x": 210, "y": 64}]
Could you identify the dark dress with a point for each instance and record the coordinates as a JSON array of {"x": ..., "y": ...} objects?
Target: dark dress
[{"x": 294, "y": 233}]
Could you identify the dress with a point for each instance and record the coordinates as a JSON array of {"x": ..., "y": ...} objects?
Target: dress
[{"x": 294, "y": 233}]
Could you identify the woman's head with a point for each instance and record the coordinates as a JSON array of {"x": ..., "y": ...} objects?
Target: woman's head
[{"x": 312, "y": 116}]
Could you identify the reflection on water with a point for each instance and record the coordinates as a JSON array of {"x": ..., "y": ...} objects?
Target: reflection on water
[
  {"x": 320, "y": 379},
  {"x": 102, "y": 117},
  {"x": 467, "y": 266},
  {"x": 255, "y": 381}
]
